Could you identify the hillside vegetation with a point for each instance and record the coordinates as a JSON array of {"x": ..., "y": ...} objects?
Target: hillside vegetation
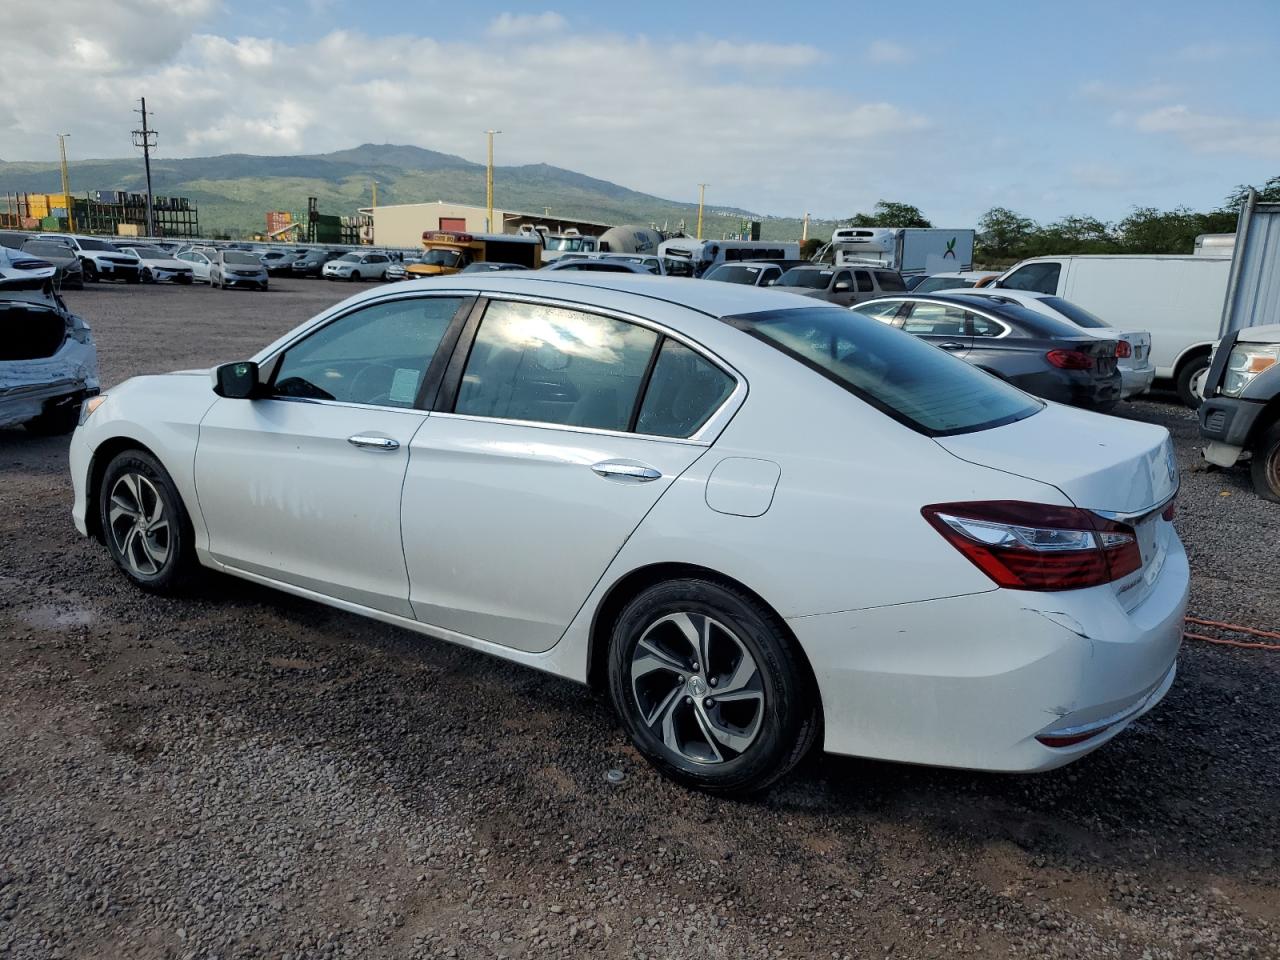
[{"x": 235, "y": 191}]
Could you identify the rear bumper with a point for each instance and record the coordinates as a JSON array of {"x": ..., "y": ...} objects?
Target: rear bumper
[
  {"x": 1136, "y": 380},
  {"x": 972, "y": 681},
  {"x": 1077, "y": 388},
  {"x": 1227, "y": 423}
]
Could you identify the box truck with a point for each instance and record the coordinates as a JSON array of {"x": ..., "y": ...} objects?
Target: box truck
[
  {"x": 908, "y": 250},
  {"x": 1177, "y": 298}
]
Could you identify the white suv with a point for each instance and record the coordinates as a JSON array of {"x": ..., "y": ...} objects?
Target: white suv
[{"x": 99, "y": 259}]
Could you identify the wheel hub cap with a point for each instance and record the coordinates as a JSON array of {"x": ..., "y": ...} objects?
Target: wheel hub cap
[
  {"x": 138, "y": 524},
  {"x": 698, "y": 688}
]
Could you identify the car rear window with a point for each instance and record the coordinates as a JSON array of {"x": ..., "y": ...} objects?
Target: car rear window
[
  {"x": 1075, "y": 313},
  {"x": 889, "y": 281},
  {"x": 909, "y": 379}
]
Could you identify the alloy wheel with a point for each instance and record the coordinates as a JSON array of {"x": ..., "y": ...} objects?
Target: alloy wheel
[
  {"x": 697, "y": 687},
  {"x": 139, "y": 524}
]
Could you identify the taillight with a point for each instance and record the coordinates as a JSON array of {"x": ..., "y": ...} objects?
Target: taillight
[
  {"x": 1123, "y": 349},
  {"x": 1171, "y": 510},
  {"x": 1070, "y": 359},
  {"x": 1035, "y": 546}
]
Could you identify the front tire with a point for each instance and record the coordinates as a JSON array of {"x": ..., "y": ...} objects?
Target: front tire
[
  {"x": 1185, "y": 384},
  {"x": 144, "y": 522},
  {"x": 1264, "y": 467},
  {"x": 710, "y": 687},
  {"x": 355, "y": 275}
]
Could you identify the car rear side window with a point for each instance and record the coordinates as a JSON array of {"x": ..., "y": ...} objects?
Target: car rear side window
[
  {"x": 377, "y": 355},
  {"x": 1040, "y": 277},
  {"x": 864, "y": 282},
  {"x": 1076, "y": 314},
  {"x": 910, "y": 380},
  {"x": 684, "y": 391},
  {"x": 552, "y": 365},
  {"x": 890, "y": 282}
]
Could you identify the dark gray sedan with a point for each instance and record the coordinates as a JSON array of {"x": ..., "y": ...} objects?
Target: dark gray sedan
[
  {"x": 70, "y": 274},
  {"x": 1033, "y": 351}
]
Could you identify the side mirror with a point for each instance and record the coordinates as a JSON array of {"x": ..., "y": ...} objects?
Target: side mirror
[
  {"x": 840, "y": 287},
  {"x": 237, "y": 381}
]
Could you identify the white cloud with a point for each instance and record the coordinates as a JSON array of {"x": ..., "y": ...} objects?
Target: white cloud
[
  {"x": 886, "y": 51},
  {"x": 526, "y": 24},
  {"x": 655, "y": 117},
  {"x": 1213, "y": 133}
]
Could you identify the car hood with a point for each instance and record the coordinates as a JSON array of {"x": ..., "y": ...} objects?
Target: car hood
[
  {"x": 803, "y": 291},
  {"x": 1267, "y": 333},
  {"x": 167, "y": 264},
  {"x": 256, "y": 268},
  {"x": 1101, "y": 463}
]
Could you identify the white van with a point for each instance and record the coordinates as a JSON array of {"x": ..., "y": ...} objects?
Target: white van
[
  {"x": 1178, "y": 298},
  {"x": 705, "y": 254}
]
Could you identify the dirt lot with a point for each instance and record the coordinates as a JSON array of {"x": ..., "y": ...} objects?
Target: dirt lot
[{"x": 243, "y": 774}]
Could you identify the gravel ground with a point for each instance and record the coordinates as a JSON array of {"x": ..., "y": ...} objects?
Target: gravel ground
[{"x": 243, "y": 774}]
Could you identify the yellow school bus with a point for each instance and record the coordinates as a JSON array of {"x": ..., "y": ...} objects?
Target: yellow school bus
[{"x": 447, "y": 251}]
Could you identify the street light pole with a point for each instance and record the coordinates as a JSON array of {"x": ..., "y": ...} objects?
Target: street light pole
[
  {"x": 489, "y": 182},
  {"x": 702, "y": 193}
]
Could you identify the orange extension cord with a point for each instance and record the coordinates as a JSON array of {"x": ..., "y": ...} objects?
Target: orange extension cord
[{"x": 1233, "y": 628}]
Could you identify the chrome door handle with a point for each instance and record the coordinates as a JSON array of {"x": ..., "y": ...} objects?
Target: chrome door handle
[
  {"x": 951, "y": 345},
  {"x": 373, "y": 443},
  {"x": 626, "y": 470}
]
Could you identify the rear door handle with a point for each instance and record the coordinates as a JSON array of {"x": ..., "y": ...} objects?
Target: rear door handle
[
  {"x": 626, "y": 470},
  {"x": 373, "y": 443},
  {"x": 951, "y": 345}
]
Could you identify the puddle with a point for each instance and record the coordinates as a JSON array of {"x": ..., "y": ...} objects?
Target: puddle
[{"x": 53, "y": 617}]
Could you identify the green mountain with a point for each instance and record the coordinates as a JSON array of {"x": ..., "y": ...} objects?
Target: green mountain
[{"x": 235, "y": 191}]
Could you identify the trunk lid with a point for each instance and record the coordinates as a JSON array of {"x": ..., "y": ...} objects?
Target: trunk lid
[
  {"x": 1101, "y": 463},
  {"x": 1118, "y": 468}
]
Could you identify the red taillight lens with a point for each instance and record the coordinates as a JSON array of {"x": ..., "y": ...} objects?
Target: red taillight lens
[
  {"x": 1171, "y": 510},
  {"x": 1070, "y": 359},
  {"x": 1123, "y": 349},
  {"x": 1034, "y": 546}
]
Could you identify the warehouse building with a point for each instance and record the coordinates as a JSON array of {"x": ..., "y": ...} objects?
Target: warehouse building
[{"x": 401, "y": 225}]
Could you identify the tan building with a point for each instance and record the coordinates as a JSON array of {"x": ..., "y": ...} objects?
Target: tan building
[{"x": 402, "y": 224}]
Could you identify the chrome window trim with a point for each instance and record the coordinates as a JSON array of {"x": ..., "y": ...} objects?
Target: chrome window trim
[
  {"x": 348, "y": 404},
  {"x": 704, "y": 435},
  {"x": 694, "y": 441}
]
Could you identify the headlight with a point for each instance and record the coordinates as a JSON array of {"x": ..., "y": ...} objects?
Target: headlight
[
  {"x": 1245, "y": 362},
  {"x": 90, "y": 405}
]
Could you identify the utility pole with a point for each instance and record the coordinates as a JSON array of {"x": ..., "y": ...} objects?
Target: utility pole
[
  {"x": 375, "y": 193},
  {"x": 489, "y": 182},
  {"x": 66, "y": 182},
  {"x": 146, "y": 139},
  {"x": 804, "y": 232},
  {"x": 702, "y": 194}
]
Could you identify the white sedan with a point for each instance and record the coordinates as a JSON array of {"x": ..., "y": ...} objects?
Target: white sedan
[
  {"x": 357, "y": 266},
  {"x": 198, "y": 261},
  {"x": 756, "y": 520}
]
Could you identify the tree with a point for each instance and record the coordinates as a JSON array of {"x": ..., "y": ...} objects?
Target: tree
[
  {"x": 1268, "y": 192},
  {"x": 1073, "y": 234},
  {"x": 810, "y": 247},
  {"x": 889, "y": 213},
  {"x": 1002, "y": 235},
  {"x": 1148, "y": 230}
]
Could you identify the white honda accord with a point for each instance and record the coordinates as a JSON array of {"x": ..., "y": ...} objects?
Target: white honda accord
[{"x": 756, "y": 520}]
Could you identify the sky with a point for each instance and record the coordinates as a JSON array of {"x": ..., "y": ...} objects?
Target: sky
[{"x": 1085, "y": 108}]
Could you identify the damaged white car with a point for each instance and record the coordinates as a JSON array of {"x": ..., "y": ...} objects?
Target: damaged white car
[{"x": 48, "y": 360}]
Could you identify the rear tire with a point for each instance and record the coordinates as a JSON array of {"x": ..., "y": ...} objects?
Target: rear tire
[
  {"x": 1185, "y": 382},
  {"x": 144, "y": 522},
  {"x": 710, "y": 687},
  {"x": 1264, "y": 467}
]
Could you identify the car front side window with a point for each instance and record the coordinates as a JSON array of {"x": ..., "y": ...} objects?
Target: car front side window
[
  {"x": 377, "y": 355},
  {"x": 556, "y": 366}
]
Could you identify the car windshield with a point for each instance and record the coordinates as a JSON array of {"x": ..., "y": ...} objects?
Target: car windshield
[
  {"x": 97, "y": 245},
  {"x": 443, "y": 258},
  {"x": 930, "y": 284},
  {"x": 244, "y": 259},
  {"x": 1075, "y": 313},
  {"x": 910, "y": 380},
  {"x": 150, "y": 253},
  {"x": 349, "y": 258},
  {"x": 47, "y": 249},
  {"x": 802, "y": 277},
  {"x": 734, "y": 274},
  {"x": 564, "y": 243}
]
